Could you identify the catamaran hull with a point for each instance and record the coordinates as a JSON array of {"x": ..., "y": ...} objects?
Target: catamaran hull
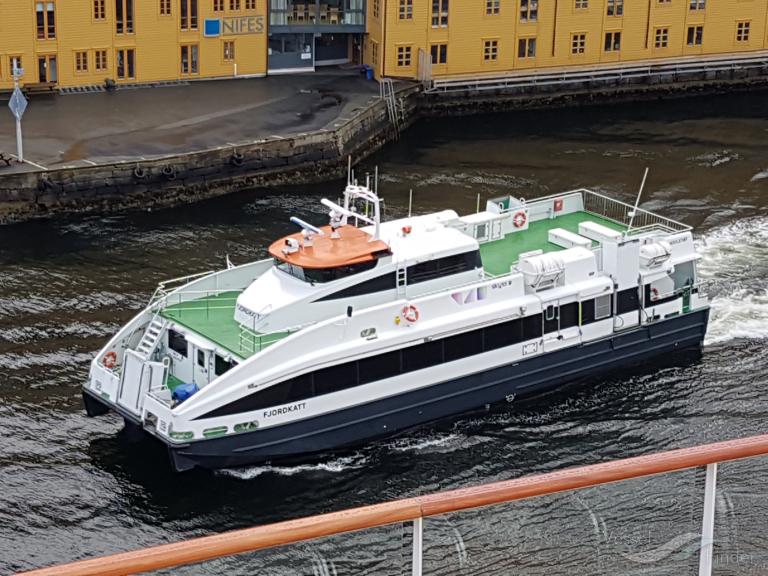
[{"x": 356, "y": 425}]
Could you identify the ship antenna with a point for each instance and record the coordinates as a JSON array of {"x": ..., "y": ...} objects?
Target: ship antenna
[
  {"x": 637, "y": 202},
  {"x": 410, "y": 201},
  {"x": 349, "y": 170}
]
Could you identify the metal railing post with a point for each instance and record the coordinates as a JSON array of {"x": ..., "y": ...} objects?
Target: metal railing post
[
  {"x": 418, "y": 546},
  {"x": 708, "y": 522}
]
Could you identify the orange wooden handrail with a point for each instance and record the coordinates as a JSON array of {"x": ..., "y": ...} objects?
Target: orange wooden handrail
[{"x": 281, "y": 533}]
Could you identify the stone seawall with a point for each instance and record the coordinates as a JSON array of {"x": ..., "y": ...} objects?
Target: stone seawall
[
  {"x": 161, "y": 182},
  {"x": 321, "y": 155}
]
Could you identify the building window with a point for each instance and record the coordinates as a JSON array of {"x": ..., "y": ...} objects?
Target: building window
[
  {"x": 698, "y": 4},
  {"x": 375, "y": 53},
  {"x": 165, "y": 7},
  {"x": 405, "y": 11},
  {"x": 490, "y": 50},
  {"x": 492, "y": 7},
  {"x": 661, "y": 38},
  {"x": 46, "y": 20},
  {"x": 665, "y": 1},
  {"x": 229, "y": 50},
  {"x": 582, "y": 4},
  {"x": 250, "y": 4},
  {"x": 81, "y": 61},
  {"x": 14, "y": 64},
  {"x": 695, "y": 35},
  {"x": 578, "y": 43},
  {"x": 189, "y": 59},
  {"x": 124, "y": 16},
  {"x": 403, "y": 55},
  {"x": 376, "y": 8},
  {"x": 439, "y": 53},
  {"x": 742, "y": 32},
  {"x": 100, "y": 60},
  {"x": 612, "y": 41},
  {"x": 188, "y": 15},
  {"x": 529, "y": 10},
  {"x": 218, "y": 5},
  {"x": 126, "y": 64},
  {"x": 234, "y": 4},
  {"x": 99, "y": 9},
  {"x": 439, "y": 13},
  {"x": 526, "y": 48},
  {"x": 615, "y": 7}
]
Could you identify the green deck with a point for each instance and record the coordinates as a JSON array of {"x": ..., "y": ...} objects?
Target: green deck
[
  {"x": 213, "y": 317},
  {"x": 498, "y": 256}
]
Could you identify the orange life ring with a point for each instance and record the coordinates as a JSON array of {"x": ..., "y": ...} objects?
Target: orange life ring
[
  {"x": 654, "y": 294},
  {"x": 110, "y": 360},
  {"x": 519, "y": 219},
  {"x": 410, "y": 313}
]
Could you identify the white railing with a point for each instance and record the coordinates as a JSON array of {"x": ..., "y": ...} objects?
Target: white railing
[{"x": 601, "y": 73}]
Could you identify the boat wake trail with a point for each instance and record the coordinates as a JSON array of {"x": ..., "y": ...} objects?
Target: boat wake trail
[
  {"x": 336, "y": 465},
  {"x": 734, "y": 265}
]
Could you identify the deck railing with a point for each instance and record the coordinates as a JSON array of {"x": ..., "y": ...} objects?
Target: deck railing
[
  {"x": 415, "y": 510},
  {"x": 621, "y": 212}
]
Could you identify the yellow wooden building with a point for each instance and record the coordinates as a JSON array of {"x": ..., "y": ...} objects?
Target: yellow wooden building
[
  {"x": 86, "y": 42},
  {"x": 71, "y": 43},
  {"x": 478, "y": 37}
]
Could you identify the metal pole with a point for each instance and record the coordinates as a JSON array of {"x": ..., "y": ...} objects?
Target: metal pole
[
  {"x": 410, "y": 201},
  {"x": 418, "y": 546},
  {"x": 637, "y": 202},
  {"x": 19, "y": 144},
  {"x": 708, "y": 523}
]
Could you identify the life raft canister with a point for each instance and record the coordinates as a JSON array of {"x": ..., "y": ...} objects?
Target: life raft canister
[
  {"x": 519, "y": 219},
  {"x": 410, "y": 313},
  {"x": 110, "y": 360}
]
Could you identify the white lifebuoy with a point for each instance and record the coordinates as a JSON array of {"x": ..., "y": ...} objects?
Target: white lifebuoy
[
  {"x": 519, "y": 219},
  {"x": 410, "y": 313}
]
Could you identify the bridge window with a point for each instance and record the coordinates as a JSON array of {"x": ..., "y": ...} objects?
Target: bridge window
[{"x": 323, "y": 275}]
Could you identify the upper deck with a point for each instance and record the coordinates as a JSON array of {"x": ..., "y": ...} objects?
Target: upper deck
[{"x": 576, "y": 207}]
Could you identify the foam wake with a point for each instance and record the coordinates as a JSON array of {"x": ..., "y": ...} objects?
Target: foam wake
[
  {"x": 734, "y": 265},
  {"x": 336, "y": 465}
]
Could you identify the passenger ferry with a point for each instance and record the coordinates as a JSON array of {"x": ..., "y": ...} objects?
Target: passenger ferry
[{"x": 361, "y": 328}]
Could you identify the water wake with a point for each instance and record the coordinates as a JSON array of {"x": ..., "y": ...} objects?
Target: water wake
[
  {"x": 734, "y": 265},
  {"x": 334, "y": 466}
]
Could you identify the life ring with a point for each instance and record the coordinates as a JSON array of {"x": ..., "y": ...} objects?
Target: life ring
[
  {"x": 519, "y": 219},
  {"x": 110, "y": 360},
  {"x": 654, "y": 294},
  {"x": 410, "y": 313},
  {"x": 237, "y": 159}
]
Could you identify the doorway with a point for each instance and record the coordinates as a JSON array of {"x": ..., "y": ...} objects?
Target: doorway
[{"x": 47, "y": 70}]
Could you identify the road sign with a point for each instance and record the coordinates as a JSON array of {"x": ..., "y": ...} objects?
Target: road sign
[{"x": 17, "y": 104}]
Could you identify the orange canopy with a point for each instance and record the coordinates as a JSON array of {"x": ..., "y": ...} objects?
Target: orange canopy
[{"x": 354, "y": 247}]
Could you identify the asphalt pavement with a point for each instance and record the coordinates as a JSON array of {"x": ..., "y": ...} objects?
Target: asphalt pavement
[{"x": 95, "y": 128}]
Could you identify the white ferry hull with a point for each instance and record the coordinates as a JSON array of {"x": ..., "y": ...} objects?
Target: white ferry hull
[{"x": 357, "y": 425}]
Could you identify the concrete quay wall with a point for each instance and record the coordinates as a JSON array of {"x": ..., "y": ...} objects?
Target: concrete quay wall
[{"x": 168, "y": 181}]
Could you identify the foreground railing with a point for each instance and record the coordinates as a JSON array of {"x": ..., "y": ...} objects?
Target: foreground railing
[{"x": 416, "y": 509}]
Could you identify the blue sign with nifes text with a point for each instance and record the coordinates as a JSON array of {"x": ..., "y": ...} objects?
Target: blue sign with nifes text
[{"x": 212, "y": 27}]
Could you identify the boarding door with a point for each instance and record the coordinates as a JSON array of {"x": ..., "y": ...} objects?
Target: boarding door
[{"x": 201, "y": 367}]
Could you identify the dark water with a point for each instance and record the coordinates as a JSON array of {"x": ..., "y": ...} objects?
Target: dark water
[{"x": 71, "y": 487}]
